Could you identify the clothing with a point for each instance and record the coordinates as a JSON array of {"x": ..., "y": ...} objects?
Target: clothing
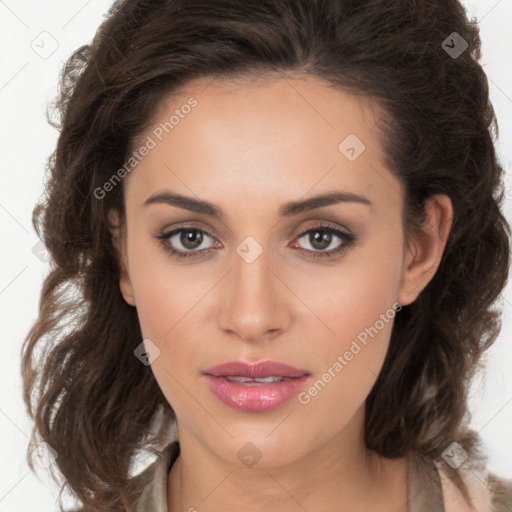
[{"x": 425, "y": 487}]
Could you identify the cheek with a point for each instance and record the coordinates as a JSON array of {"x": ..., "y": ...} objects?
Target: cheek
[
  {"x": 373, "y": 281},
  {"x": 167, "y": 305},
  {"x": 348, "y": 298},
  {"x": 164, "y": 292},
  {"x": 349, "y": 361},
  {"x": 358, "y": 304},
  {"x": 351, "y": 298}
]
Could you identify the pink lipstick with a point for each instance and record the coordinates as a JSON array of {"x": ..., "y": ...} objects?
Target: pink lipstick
[{"x": 255, "y": 387}]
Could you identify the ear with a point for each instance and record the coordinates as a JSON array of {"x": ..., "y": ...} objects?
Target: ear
[
  {"x": 119, "y": 243},
  {"x": 424, "y": 252}
]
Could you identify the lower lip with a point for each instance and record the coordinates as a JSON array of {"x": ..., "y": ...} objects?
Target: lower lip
[{"x": 255, "y": 398}]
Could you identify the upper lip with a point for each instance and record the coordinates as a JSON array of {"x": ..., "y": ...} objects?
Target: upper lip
[{"x": 255, "y": 370}]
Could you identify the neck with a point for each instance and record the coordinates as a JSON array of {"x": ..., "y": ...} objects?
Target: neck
[{"x": 341, "y": 474}]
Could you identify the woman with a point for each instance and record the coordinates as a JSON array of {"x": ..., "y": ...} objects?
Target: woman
[{"x": 276, "y": 230}]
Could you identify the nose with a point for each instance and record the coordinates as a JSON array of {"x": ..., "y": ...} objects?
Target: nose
[{"x": 255, "y": 301}]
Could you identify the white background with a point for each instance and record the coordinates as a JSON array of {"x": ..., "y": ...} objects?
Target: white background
[{"x": 27, "y": 83}]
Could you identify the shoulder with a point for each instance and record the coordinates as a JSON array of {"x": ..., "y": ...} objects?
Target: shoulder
[
  {"x": 488, "y": 492},
  {"x": 150, "y": 485},
  {"x": 501, "y": 490}
]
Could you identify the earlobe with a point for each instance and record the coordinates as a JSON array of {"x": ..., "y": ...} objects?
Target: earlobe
[
  {"x": 125, "y": 284},
  {"x": 425, "y": 251}
]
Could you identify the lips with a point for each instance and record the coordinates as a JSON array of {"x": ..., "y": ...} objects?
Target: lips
[
  {"x": 261, "y": 369},
  {"x": 255, "y": 387}
]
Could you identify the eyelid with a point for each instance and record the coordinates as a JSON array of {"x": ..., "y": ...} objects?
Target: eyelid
[
  {"x": 324, "y": 224},
  {"x": 347, "y": 240},
  {"x": 311, "y": 225}
]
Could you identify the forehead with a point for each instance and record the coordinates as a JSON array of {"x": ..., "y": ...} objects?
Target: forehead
[{"x": 282, "y": 137}]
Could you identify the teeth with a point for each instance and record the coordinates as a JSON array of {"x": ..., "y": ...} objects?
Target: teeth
[{"x": 264, "y": 380}]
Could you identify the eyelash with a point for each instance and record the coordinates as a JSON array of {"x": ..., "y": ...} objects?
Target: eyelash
[{"x": 348, "y": 239}]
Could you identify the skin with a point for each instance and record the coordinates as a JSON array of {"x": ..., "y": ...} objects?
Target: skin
[{"x": 249, "y": 148}]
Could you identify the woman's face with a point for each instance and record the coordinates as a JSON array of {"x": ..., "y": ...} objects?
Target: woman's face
[{"x": 275, "y": 275}]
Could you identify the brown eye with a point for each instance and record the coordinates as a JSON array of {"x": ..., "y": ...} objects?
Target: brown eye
[
  {"x": 192, "y": 239},
  {"x": 189, "y": 238},
  {"x": 321, "y": 237},
  {"x": 185, "y": 242}
]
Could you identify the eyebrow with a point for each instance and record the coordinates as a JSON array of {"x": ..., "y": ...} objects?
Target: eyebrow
[{"x": 287, "y": 210}]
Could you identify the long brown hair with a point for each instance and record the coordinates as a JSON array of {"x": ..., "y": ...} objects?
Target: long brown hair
[{"x": 90, "y": 398}]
